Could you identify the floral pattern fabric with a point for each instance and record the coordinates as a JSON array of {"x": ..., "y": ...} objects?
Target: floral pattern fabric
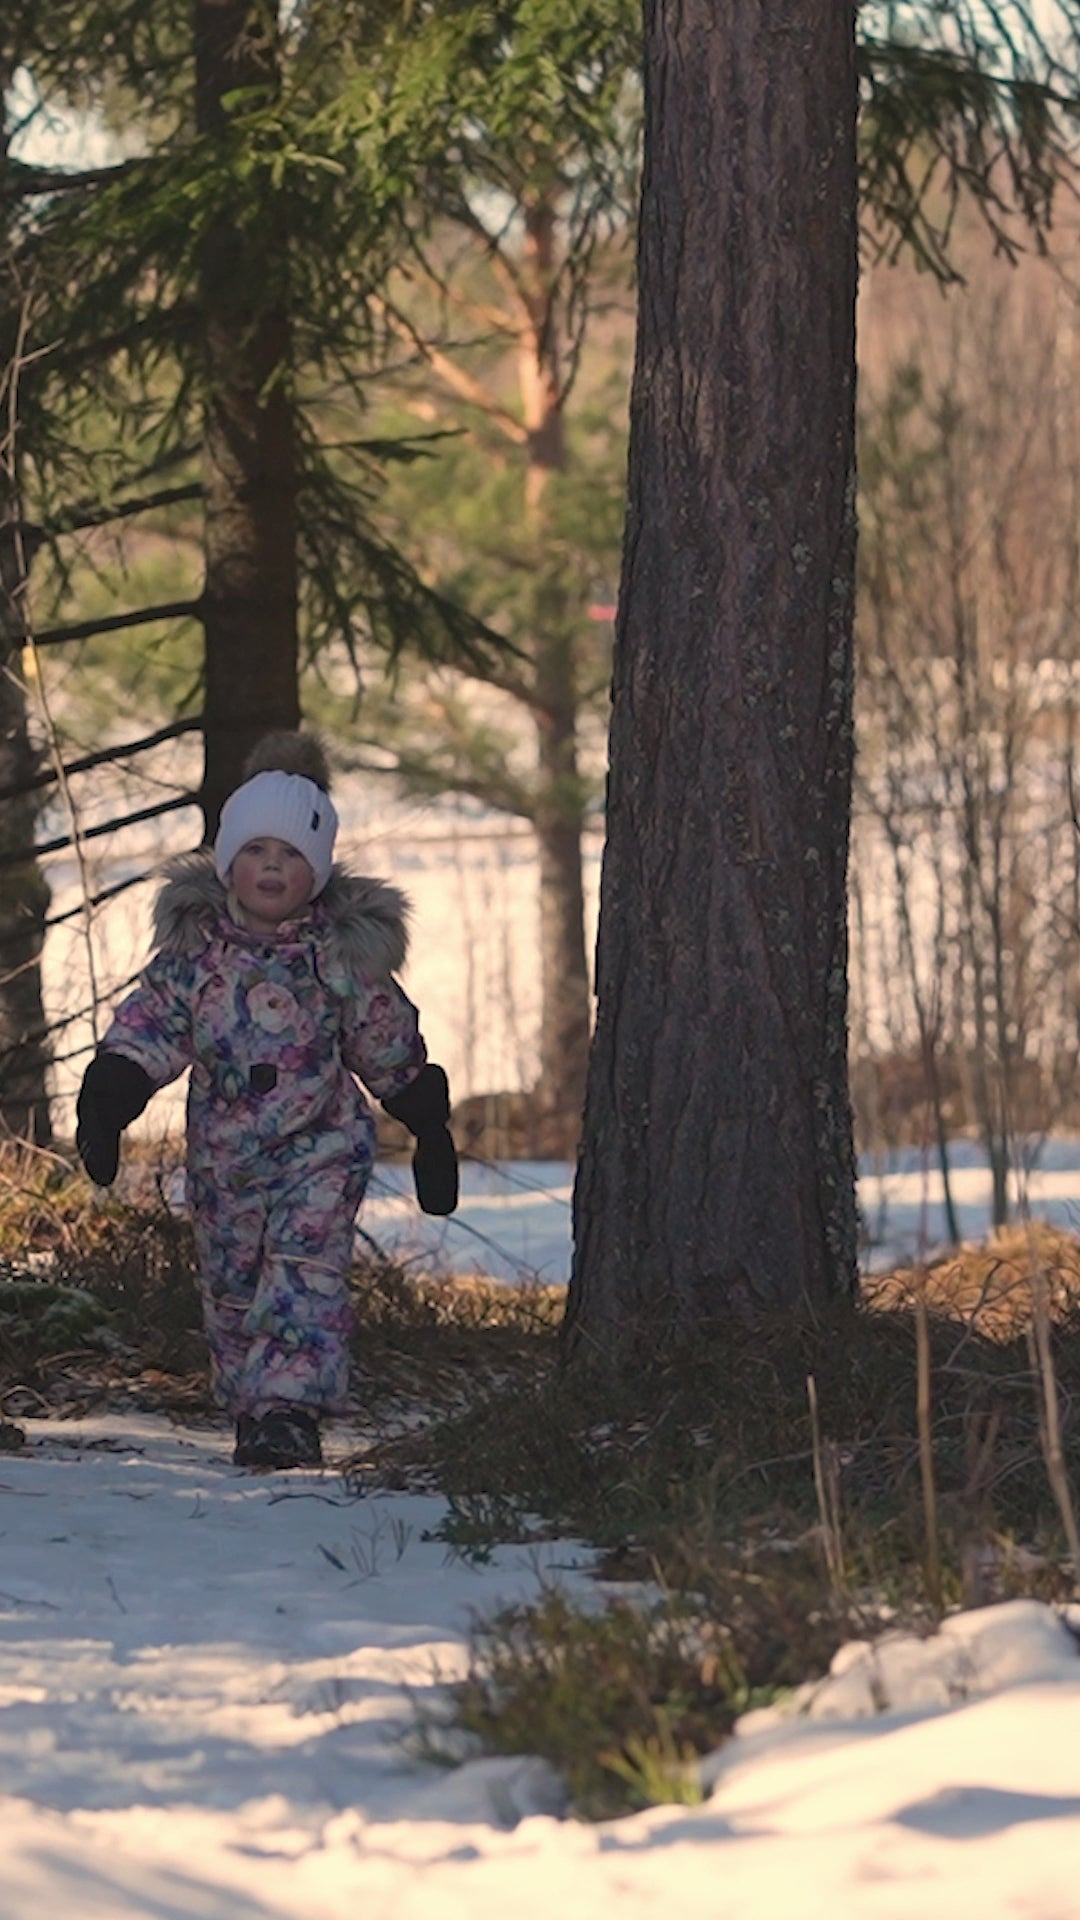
[
  {"x": 280, "y": 1142},
  {"x": 274, "y": 1249}
]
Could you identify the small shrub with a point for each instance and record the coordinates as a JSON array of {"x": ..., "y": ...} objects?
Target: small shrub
[
  {"x": 621, "y": 1700},
  {"x": 473, "y": 1528},
  {"x": 39, "y": 1318},
  {"x": 670, "y": 1463}
]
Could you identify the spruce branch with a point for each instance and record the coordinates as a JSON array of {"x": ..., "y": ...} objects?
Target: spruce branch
[
  {"x": 105, "y": 756},
  {"x": 80, "y": 519},
  {"x": 119, "y": 622},
  {"x": 23, "y": 181},
  {"x": 21, "y": 855}
]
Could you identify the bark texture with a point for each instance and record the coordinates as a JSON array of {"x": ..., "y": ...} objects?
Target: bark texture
[
  {"x": 24, "y": 891},
  {"x": 564, "y": 973},
  {"x": 717, "y": 1167},
  {"x": 559, "y": 815},
  {"x": 249, "y": 455}
]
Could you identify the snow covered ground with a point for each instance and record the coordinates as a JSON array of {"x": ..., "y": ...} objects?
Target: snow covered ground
[
  {"x": 205, "y": 1684},
  {"x": 514, "y": 1219}
]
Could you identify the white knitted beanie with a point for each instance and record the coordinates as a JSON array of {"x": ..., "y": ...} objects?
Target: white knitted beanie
[{"x": 282, "y": 806}]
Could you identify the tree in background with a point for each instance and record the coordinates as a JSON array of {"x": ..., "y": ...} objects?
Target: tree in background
[
  {"x": 215, "y": 284},
  {"x": 968, "y": 670},
  {"x": 249, "y": 457},
  {"x": 518, "y": 515},
  {"x": 441, "y": 732}
]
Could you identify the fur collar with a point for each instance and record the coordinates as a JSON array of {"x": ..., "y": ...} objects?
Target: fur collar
[{"x": 358, "y": 925}]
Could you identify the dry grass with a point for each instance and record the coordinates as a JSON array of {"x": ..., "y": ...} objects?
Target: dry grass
[
  {"x": 926, "y": 1427},
  {"x": 914, "y": 1476},
  {"x": 98, "y": 1303},
  {"x": 988, "y": 1286}
]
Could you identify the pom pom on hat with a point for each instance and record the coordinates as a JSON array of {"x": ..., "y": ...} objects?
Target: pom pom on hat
[
  {"x": 301, "y": 753},
  {"x": 277, "y": 802}
]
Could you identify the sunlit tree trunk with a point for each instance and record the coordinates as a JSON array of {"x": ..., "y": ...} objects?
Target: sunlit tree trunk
[
  {"x": 558, "y": 819},
  {"x": 717, "y": 1170},
  {"x": 24, "y": 892}
]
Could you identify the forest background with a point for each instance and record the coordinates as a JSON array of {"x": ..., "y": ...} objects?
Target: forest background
[
  {"x": 396, "y": 287},
  {"x": 314, "y": 396}
]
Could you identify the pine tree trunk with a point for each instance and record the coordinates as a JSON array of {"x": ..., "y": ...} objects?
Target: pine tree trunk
[
  {"x": 24, "y": 891},
  {"x": 559, "y": 816},
  {"x": 249, "y": 457},
  {"x": 564, "y": 972},
  {"x": 717, "y": 1171}
]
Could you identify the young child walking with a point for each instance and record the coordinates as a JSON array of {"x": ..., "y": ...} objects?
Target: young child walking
[{"x": 272, "y": 977}]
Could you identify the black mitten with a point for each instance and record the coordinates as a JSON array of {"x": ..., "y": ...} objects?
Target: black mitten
[
  {"x": 424, "y": 1108},
  {"x": 113, "y": 1094},
  {"x": 435, "y": 1171}
]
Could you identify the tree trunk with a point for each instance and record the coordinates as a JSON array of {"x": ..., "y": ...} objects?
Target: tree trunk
[
  {"x": 564, "y": 972},
  {"x": 717, "y": 1169},
  {"x": 24, "y": 891},
  {"x": 249, "y": 457},
  {"x": 559, "y": 815}
]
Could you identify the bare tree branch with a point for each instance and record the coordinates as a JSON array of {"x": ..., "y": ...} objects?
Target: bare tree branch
[
  {"x": 24, "y": 182},
  {"x": 97, "y": 899},
  {"x": 456, "y": 377},
  {"x": 106, "y": 756},
  {"x": 22, "y": 854}
]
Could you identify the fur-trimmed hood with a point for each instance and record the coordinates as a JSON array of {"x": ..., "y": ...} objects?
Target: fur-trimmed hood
[{"x": 358, "y": 925}]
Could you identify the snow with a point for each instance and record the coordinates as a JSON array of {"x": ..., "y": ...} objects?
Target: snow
[
  {"x": 207, "y": 1682},
  {"x": 514, "y": 1221}
]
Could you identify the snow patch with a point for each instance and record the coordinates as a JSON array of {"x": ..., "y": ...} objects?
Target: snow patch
[{"x": 206, "y": 1696}]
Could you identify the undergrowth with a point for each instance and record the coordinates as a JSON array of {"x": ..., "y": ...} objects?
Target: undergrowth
[
  {"x": 667, "y": 1465},
  {"x": 621, "y": 1700},
  {"x": 766, "y": 1537},
  {"x": 761, "y": 1533},
  {"x": 98, "y": 1292}
]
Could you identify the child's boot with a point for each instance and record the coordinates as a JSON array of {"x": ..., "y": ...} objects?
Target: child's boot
[{"x": 283, "y": 1437}]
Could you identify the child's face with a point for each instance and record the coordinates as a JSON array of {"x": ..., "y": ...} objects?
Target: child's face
[{"x": 272, "y": 881}]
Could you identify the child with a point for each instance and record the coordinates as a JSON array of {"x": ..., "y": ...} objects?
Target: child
[{"x": 272, "y": 979}]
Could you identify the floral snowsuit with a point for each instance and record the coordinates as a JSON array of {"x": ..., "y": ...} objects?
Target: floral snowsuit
[{"x": 280, "y": 1138}]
